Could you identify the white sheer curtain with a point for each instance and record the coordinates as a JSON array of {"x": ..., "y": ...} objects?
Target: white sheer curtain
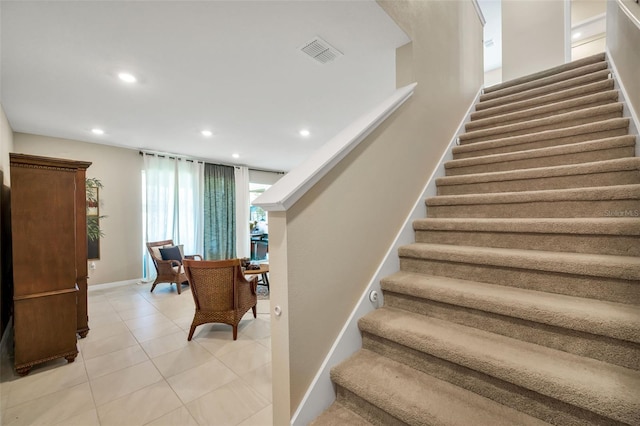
[
  {"x": 173, "y": 203},
  {"x": 189, "y": 206},
  {"x": 159, "y": 197},
  {"x": 243, "y": 248}
]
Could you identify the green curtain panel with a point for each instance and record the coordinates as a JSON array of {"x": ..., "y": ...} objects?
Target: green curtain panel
[{"x": 219, "y": 212}]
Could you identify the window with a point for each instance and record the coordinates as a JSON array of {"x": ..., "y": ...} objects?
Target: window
[{"x": 258, "y": 224}]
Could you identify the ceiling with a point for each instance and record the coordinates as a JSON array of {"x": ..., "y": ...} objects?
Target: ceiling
[{"x": 232, "y": 67}]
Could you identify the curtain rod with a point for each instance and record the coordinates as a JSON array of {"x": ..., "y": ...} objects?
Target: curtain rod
[
  {"x": 200, "y": 160},
  {"x": 171, "y": 156}
]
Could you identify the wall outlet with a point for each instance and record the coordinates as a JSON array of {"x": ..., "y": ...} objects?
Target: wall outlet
[{"x": 92, "y": 265}]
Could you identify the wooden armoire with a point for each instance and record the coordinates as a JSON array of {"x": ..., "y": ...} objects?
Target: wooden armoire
[{"x": 49, "y": 241}]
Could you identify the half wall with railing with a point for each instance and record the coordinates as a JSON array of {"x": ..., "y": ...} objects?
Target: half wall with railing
[{"x": 333, "y": 220}]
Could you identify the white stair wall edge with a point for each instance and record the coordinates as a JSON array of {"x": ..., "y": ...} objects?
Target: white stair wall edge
[
  {"x": 628, "y": 110},
  {"x": 321, "y": 393}
]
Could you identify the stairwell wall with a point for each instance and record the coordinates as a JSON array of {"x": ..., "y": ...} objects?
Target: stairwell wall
[
  {"x": 6, "y": 273},
  {"x": 533, "y": 36},
  {"x": 325, "y": 249},
  {"x": 623, "y": 39}
]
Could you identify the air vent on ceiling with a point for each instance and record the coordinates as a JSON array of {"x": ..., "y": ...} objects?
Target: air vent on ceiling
[{"x": 320, "y": 50}]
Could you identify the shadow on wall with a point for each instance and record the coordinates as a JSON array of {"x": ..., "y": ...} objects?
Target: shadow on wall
[{"x": 6, "y": 272}]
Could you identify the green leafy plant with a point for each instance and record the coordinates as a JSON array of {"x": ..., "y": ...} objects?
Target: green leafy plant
[
  {"x": 93, "y": 228},
  {"x": 93, "y": 222}
]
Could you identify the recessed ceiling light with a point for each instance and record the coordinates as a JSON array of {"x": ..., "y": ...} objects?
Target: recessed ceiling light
[
  {"x": 97, "y": 131},
  {"x": 576, "y": 35},
  {"x": 206, "y": 133},
  {"x": 235, "y": 155},
  {"x": 304, "y": 132},
  {"x": 127, "y": 78}
]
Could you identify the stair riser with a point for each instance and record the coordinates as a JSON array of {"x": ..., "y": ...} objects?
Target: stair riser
[
  {"x": 479, "y": 151},
  {"x": 594, "y": 59},
  {"x": 607, "y": 349},
  {"x": 545, "y": 81},
  {"x": 530, "y": 94},
  {"x": 549, "y": 99},
  {"x": 365, "y": 409},
  {"x": 499, "y": 134},
  {"x": 551, "y": 209},
  {"x": 548, "y": 161},
  {"x": 475, "y": 125},
  {"x": 563, "y": 107},
  {"x": 617, "y": 245},
  {"x": 610, "y": 289},
  {"x": 532, "y": 403},
  {"x": 620, "y": 177}
]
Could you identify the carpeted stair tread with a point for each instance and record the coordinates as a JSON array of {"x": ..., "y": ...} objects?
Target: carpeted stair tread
[
  {"x": 605, "y": 201},
  {"x": 416, "y": 398},
  {"x": 551, "y": 98},
  {"x": 544, "y": 81},
  {"x": 598, "y": 226},
  {"x": 600, "y": 57},
  {"x": 560, "y": 107},
  {"x": 612, "y": 129},
  {"x": 339, "y": 415},
  {"x": 597, "y": 167},
  {"x": 544, "y": 90},
  {"x": 606, "y": 389},
  {"x": 619, "y": 192},
  {"x": 615, "y": 320},
  {"x": 550, "y": 151},
  {"x": 613, "y": 235},
  {"x": 598, "y": 126},
  {"x": 521, "y": 293},
  {"x": 586, "y": 264},
  {"x": 572, "y": 119}
]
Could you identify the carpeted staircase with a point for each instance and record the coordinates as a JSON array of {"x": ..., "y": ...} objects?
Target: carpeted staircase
[{"x": 519, "y": 302}]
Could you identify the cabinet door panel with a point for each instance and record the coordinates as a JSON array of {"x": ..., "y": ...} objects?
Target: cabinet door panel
[
  {"x": 44, "y": 233},
  {"x": 45, "y": 328}
]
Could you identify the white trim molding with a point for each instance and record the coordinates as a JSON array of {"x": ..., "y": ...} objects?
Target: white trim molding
[
  {"x": 114, "y": 284},
  {"x": 476, "y": 5},
  {"x": 628, "y": 111},
  {"x": 568, "y": 31},
  {"x": 629, "y": 14}
]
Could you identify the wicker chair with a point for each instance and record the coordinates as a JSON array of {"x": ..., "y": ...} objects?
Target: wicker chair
[
  {"x": 221, "y": 292},
  {"x": 168, "y": 271}
]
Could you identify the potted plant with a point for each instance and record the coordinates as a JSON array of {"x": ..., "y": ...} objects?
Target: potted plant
[{"x": 94, "y": 233}]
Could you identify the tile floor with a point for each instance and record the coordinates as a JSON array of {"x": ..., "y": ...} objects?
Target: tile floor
[{"x": 136, "y": 367}]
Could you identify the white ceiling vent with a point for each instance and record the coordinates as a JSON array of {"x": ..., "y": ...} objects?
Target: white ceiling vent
[{"x": 320, "y": 50}]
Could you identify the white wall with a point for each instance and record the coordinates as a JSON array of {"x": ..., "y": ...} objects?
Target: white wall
[
  {"x": 585, "y": 9},
  {"x": 326, "y": 248},
  {"x": 265, "y": 178},
  {"x": 119, "y": 170},
  {"x": 623, "y": 41},
  {"x": 492, "y": 77},
  {"x": 6, "y": 286},
  {"x": 6, "y": 145},
  {"x": 533, "y": 36},
  {"x": 589, "y": 48}
]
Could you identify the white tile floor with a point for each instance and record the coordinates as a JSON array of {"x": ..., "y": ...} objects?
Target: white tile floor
[{"x": 136, "y": 367}]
